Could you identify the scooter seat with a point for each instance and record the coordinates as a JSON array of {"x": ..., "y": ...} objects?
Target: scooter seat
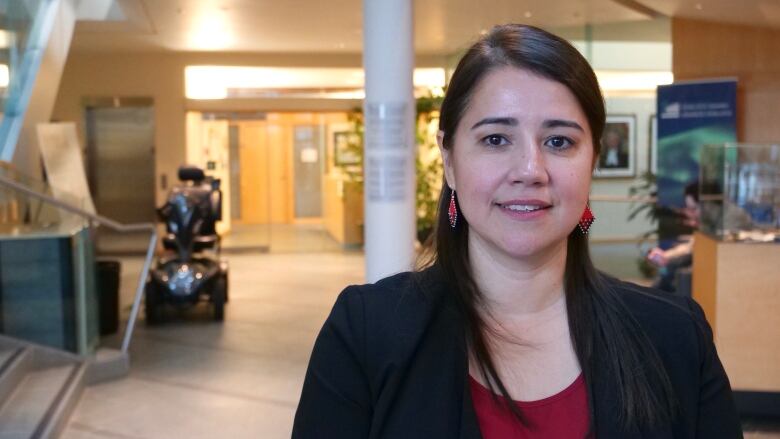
[
  {"x": 205, "y": 242},
  {"x": 200, "y": 243}
]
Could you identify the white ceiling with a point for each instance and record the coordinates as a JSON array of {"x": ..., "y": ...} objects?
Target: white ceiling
[{"x": 441, "y": 26}]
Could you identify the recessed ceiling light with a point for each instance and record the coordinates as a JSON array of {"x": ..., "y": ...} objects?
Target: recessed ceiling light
[
  {"x": 528, "y": 14},
  {"x": 483, "y": 32},
  {"x": 698, "y": 6}
]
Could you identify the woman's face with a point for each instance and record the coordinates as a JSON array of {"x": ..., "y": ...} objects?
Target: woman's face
[{"x": 521, "y": 163}]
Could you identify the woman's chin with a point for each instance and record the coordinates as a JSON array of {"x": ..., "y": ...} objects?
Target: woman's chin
[{"x": 527, "y": 249}]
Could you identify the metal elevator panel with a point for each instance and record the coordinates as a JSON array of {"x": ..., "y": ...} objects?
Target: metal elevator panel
[{"x": 121, "y": 162}]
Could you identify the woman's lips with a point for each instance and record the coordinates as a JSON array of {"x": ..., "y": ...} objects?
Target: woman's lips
[{"x": 524, "y": 209}]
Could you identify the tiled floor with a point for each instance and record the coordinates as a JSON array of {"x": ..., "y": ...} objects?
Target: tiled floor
[
  {"x": 193, "y": 378},
  {"x": 280, "y": 238},
  {"x": 276, "y": 238}
]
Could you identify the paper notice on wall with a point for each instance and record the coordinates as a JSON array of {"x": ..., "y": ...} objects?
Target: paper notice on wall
[
  {"x": 309, "y": 155},
  {"x": 387, "y": 165},
  {"x": 387, "y": 178},
  {"x": 386, "y": 126},
  {"x": 64, "y": 164}
]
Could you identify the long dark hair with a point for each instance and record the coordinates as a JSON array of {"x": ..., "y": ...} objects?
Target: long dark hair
[{"x": 600, "y": 324}]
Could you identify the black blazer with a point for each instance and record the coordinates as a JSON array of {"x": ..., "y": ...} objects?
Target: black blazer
[{"x": 391, "y": 362}]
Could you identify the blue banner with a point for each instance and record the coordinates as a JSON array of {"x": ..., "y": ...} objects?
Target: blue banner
[{"x": 690, "y": 114}]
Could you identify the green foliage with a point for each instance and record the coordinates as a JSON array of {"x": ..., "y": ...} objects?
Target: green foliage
[
  {"x": 355, "y": 145},
  {"x": 428, "y": 164}
]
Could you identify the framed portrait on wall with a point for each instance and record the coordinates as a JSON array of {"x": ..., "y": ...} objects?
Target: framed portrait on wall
[
  {"x": 653, "y": 142},
  {"x": 344, "y": 151},
  {"x": 618, "y": 147}
]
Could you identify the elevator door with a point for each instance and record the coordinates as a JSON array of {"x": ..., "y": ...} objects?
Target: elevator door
[{"x": 121, "y": 162}]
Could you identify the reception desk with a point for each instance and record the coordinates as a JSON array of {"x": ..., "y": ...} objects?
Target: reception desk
[
  {"x": 343, "y": 211},
  {"x": 738, "y": 285}
]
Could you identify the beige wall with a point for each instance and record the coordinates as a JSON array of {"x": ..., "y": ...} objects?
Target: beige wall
[
  {"x": 160, "y": 76},
  {"x": 751, "y": 54}
]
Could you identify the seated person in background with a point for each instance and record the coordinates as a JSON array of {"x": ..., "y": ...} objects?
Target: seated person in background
[{"x": 681, "y": 255}]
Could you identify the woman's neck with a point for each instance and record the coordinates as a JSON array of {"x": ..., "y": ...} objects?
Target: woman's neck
[{"x": 518, "y": 289}]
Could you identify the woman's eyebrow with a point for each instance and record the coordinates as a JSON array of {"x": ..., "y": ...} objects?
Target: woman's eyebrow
[
  {"x": 558, "y": 123},
  {"x": 509, "y": 121}
]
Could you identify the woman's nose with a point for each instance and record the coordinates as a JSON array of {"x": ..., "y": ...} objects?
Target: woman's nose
[{"x": 527, "y": 165}]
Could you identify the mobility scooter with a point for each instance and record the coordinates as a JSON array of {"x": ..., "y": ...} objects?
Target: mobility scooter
[{"x": 192, "y": 270}]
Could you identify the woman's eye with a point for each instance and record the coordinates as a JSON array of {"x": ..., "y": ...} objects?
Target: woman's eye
[
  {"x": 495, "y": 140},
  {"x": 559, "y": 142}
]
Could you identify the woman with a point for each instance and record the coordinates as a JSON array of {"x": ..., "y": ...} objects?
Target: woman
[{"x": 510, "y": 331}]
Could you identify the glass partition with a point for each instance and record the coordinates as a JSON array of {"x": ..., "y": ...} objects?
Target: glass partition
[
  {"x": 740, "y": 192},
  {"x": 47, "y": 268},
  {"x": 23, "y": 26}
]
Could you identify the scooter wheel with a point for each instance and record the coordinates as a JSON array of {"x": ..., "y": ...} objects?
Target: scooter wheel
[
  {"x": 227, "y": 287},
  {"x": 218, "y": 298},
  {"x": 153, "y": 304}
]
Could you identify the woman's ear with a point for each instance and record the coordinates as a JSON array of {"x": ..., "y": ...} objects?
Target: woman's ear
[{"x": 447, "y": 159}]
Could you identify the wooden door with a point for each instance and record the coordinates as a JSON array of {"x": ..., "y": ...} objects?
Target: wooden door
[{"x": 254, "y": 177}]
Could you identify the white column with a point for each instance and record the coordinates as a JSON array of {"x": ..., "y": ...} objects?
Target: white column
[{"x": 390, "y": 149}]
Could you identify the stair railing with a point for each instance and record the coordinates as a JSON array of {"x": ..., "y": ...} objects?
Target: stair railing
[{"x": 111, "y": 224}]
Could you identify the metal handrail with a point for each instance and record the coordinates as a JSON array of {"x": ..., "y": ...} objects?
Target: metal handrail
[{"x": 111, "y": 224}]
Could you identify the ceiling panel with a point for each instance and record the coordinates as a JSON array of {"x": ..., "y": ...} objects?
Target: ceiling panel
[
  {"x": 751, "y": 12},
  {"x": 441, "y": 26}
]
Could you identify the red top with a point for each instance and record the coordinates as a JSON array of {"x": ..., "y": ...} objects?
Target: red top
[{"x": 561, "y": 416}]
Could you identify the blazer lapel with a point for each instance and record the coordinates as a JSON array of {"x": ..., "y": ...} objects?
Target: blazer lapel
[
  {"x": 604, "y": 398},
  {"x": 605, "y": 408},
  {"x": 469, "y": 426}
]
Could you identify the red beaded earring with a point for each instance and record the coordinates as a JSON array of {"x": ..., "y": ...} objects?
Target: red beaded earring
[
  {"x": 586, "y": 220},
  {"x": 452, "y": 212}
]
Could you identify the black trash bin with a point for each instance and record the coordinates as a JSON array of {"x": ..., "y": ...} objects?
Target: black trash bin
[{"x": 108, "y": 295}]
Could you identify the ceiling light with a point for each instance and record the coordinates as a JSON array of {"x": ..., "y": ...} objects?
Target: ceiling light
[
  {"x": 204, "y": 83},
  {"x": 528, "y": 14},
  {"x": 698, "y": 6},
  {"x": 5, "y": 77},
  {"x": 211, "y": 32},
  {"x": 216, "y": 82},
  {"x": 626, "y": 81}
]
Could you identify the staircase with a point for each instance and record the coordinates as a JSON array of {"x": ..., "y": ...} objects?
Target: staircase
[{"x": 40, "y": 386}]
